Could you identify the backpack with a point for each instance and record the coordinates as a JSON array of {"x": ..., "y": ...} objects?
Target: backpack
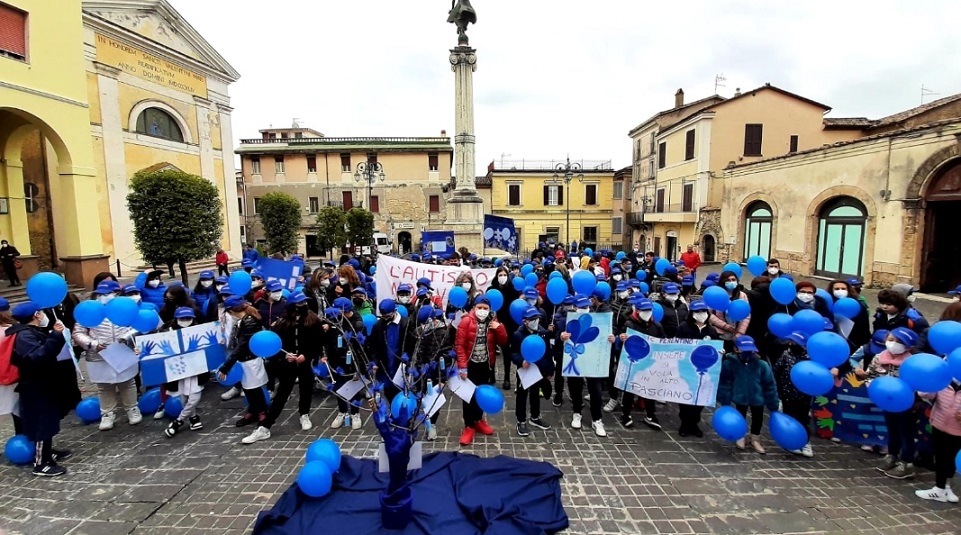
[{"x": 9, "y": 373}]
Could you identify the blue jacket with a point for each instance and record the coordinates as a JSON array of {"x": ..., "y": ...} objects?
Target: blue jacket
[
  {"x": 202, "y": 295},
  {"x": 35, "y": 355},
  {"x": 154, "y": 296},
  {"x": 252, "y": 255},
  {"x": 546, "y": 363},
  {"x": 747, "y": 383}
]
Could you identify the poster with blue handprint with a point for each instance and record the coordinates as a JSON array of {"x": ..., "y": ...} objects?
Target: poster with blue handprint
[
  {"x": 674, "y": 370},
  {"x": 178, "y": 354},
  {"x": 588, "y": 352}
]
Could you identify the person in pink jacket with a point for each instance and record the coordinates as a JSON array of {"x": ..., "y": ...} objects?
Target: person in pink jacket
[{"x": 946, "y": 441}]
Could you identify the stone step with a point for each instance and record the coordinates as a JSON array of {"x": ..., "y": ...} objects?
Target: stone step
[{"x": 18, "y": 294}]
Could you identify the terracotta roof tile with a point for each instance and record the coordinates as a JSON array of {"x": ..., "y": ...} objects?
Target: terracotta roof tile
[{"x": 907, "y": 114}]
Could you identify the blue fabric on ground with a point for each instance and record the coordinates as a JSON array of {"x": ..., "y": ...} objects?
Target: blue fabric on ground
[{"x": 454, "y": 493}]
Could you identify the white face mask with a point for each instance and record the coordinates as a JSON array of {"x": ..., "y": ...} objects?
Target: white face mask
[
  {"x": 206, "y": 284},
  {"x": 135, "y": 297},
  {"x": 154, "y": 283},
  {"x": 531, "y": 302},
  {"x": 257, "y": 283},
  {"x": 773, "y": 270},
  {"x": 912, "y": 298},
  {"x": 276, "y": 296},
  {"x": 44, "y": 321},
  {"x": 671, "y": 297},
  {"x": 533, "y": 324},
  {"x": 645, "y": 314},
  {"x": 624, "y": 294},
  {"x": 583, "y": 310},
  {"x": 104, "y": 299},
  {"x": 895, "y": 348},
  {"x": 616, "y": 277},
  {"x": 325, "y": 283},
  {"x": 700, "y": 317},
  {"x": 502, "y": 279},
  {"x": 466, "y": 285},
  {"x": 805, "y": 298},
  {"x": 219, "y": 287},
  {"x": 482, "y": 313},
  {"x": 840, "y": 294},
  {"x": 185, "y": 323},
  {"x": 403, "y": 299}
]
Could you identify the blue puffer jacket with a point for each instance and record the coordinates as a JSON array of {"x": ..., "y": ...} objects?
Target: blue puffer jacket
[
  {"x": 747, "y": 383},
  {"x": 154, "y": 296}
]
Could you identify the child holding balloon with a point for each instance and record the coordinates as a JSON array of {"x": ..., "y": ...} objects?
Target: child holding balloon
[
  {"x": 795, "y": 403},
  {"x": 747, "y": 382},
  {"x": 247, "y": 324},
  {"x": 527, "y": 350}
]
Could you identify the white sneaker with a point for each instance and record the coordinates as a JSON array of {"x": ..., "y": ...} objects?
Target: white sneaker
[
  {"x": 134, "y": 416},
  {"x": 106, "y": 421},
  {"x": 305, "y": 423},
  {"x": 160, "y": 414},
  {"x": 261, "y": 433},
  {"x": 357, "y": 421},
  {"x": 807, "y": 451},
  {"x": 230, "y": 394},
  {"x": 611, "y": 405},
  {"x": 867, "y": 448},
  {"x": 598, "y": 427},
  {"x": 934, "y": 493},
  {"x": 576, "y": 421},
  {"x": 338, "y": 421},
  {"x": 431, "y": 433},
  {"x": 587, "y": 397},
  {"x": 952, "y": 497}
]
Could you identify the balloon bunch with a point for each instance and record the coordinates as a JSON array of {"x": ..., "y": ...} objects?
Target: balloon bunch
[{"x": 322, "y": 462}]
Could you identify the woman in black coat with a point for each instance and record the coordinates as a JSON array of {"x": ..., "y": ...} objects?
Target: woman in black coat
[
  {"x": 861, "y": 331},
  {"x": 503, "y": 282},
  {"x": 697, "y": 327}
]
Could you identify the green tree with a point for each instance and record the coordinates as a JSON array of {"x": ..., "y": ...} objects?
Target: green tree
[
  {"x": 279, "y": 214},
  {"x": 176, "y": 217},
  {"x": 360, "y": 227},
  {"x": 330, "y": 228}
]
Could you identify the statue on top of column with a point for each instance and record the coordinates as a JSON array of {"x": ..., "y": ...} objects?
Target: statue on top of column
[{"x": 461, "y": 14}]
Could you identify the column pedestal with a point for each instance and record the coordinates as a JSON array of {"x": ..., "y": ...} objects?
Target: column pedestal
[{"x": 465, "y": 209}]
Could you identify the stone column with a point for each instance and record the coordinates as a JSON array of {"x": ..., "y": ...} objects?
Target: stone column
[
  {"x": 115, "y": 164},
  {"x": 232, "y": 217},
  {"x": 465, "y": 209}
]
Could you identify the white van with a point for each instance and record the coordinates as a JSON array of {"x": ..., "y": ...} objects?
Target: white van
[{"x": 382, "y": 242}]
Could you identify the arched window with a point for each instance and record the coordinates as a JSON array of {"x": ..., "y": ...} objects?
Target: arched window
[
  {"x": 158, "y": 123},
  {"x": 757, "y": 230},
  {"x": 840, "y": 251},
  {"x": 708, "y": 248}
]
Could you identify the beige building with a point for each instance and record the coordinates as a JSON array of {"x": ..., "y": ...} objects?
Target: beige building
[
  {"x": 407, "y": 199},
  {"x": 885, "y": 207}
]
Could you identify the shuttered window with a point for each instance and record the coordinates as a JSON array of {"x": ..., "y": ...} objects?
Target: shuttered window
[
  {"x": 13, "y": 32},
  {"x": 590, "y": 194},
  {"x": 553, "y": 195},
  {"x": 374, "y": 204},
  {"x": 662, "y": 155},
  {"x": 348, "y": 200},
  {"x": 752, "y": 139},
  {"x": 687, "y": 198},
  {"x": 513, "y": 194},
  {"x": 689, "y": 145},
  {"x": 311, "y": 164},
  {"x": 434, "y": 202},
  {"x": 431, "y": 161}
]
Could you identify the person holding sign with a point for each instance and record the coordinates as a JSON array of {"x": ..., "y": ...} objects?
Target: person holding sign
[
  {"x": 189, "y": 388},
  {"x": 696, "y": 327},
  {"x": 642, "y": 321},
  {"x": 526, "y": 353},
  {"x": 475, "y": 345},
  {"x": 575, "y": 385}
]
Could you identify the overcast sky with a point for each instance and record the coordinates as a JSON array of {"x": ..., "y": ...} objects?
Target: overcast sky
[{"x": 558, "y": 77}]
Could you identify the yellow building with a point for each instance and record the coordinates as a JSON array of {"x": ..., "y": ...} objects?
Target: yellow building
[{"x": 545, "y": 207}]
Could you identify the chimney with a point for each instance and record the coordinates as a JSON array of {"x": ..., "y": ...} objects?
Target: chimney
[
  {"x": 737, "y": 92},
  {"x": 443, "y": 133},
  {"x": 679, "y": 98}
]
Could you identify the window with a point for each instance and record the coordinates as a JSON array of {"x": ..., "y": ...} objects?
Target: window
[
  {"x": 618, "y": 190},
  {"x": 434, "y": 203},
  {"x": 431, "y": 161},
  {"x": 650, "y": 169},
  {"x": 793, "y": 144},
  {"x": 255, "y": 165},
  {"x": 590, "y": 234},
  {"x": 513, "y": 194},
  {"x": 348, "y": 197},
  {"x": 279, "y": 165},
  {"x": 662, "y": 155},
  {"x": 653, "y": 137},
  {"x": 30, "y": 194},
  {"x": 13, "y": 32},
  {"x": 311, "y": 164},
  {"x": 840, "y": 251},
  {"x": 687, "y": 198},
  {"x": 240, "y": 205},
  {"x": 283, "y": 135},
  {"x": 752, "y": 139},
  {"x": 157, "y": 123},
  {"x": 272, "y": 136},
  {"x": 553, "y": 195},
  {"x": 313, "y": 204},
  {"x": 689, "y": 145},
  {"x": 590, "y": 194},
  {"x": 375, "y": 204},
  {"x": 256, "y": 205},
  {"x": 345, "y": 162},
  {"x": 299, "y": 135},
  {"x": 757, "y": 230},
  {"x": 659, "y": 201},
  {"x": 371, "y": 158},
  {"x": 617, "y": 226}
]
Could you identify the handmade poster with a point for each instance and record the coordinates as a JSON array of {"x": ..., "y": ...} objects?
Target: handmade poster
[
  {"x": 433, "y": 401},
  {"x": 351, "y": 388},
  {"x": 462, "y": 388},
  {"x": 186, "y": 365},
  {"x": 119, "y": 356},
  {"x": 530, "y": 376},
  {"x": 281, "y": 270},
  {"x": 588, "y": 352},
  {"x": 437, "y": 242},
  {"x": 500, "y": 233},
  {"x": 199, "y": 347},
  {"x": 674, "y": 370},
  {"x": 391, "y": 272},
  {"x": 846, "y": 413}
]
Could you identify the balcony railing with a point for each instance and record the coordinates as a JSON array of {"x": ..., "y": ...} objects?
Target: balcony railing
[
  {"x": 551, "y": 165},
  {"x": 635, "y": 219},
  {"x": 344, "y": 140}
]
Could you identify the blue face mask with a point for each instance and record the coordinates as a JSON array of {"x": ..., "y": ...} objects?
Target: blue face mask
[{"x": 730, "y": 285}]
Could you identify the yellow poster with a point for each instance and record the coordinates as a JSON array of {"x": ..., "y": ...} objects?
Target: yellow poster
[{"x": 149, "y": 67}]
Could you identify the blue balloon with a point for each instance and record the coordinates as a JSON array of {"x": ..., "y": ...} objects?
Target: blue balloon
[
  {"x": 891, "y": 394},
  {"x": 661, "y": 265},
  {"x": 812, "y": 378},
  {"x": 757, "y": 265},
  {"x": 645, "y": 288},
  {"x": 148, "y": 306},
  {"x": 369, "y": 321},
  {"x": 847, "y": 307},
  {"x": 518, "y": 307},
  {"x": 603, "y": 291},
  {"x": 954, "y": 363},
  {"x": 89, "y": 313},
  {"x": 782, "y": 291},
  {"x": 957, "y": 462},
  {"x": 489, "y": 398},
  {"x": 122, "y": 311},
  {"x": 619, "y": 256},
  {"x": 717, "y": 298},
  {"x": 326, "y": 451},
  {"x": 265, "y": 344},
  {"x": 397, "y": 405},
  {"x": 584, "y": 282},
  {"x": 828, "y": 349},
  {"x": 554, "y": 275},
  {"x": 149, "y": 402},
  {"x": 518, "y": 283},
  {"x": 729, "y": 424},
  {"x": 402, "y": 310},
  {"x": 47, "y": 289},
  {"x": 533, "y": 348},
  {"x": 945, "y": 336},
  {"x": 658, "y": 314},
  {"x": 787, "y": 432},
  {"x": 530, "y": 279},
  {"x": 925, "y": 372},
  {"x": 641, "y": 275},
  {"x": 285, "y": 293},
  {"x": 738, "y": 309},
  {"x": 588, "y": 251},
  {"x": 457, "y": 297},
  {"x": 147, "y": 321},
  {"x": 240, "y": 282},
  {"x": 315, "y": 479},
  {"x": 88, "y": 410},
  {"x": 19, "y": 450},
  {"x": 704, "y": 357},
  {"x": 733, "y": 267},
  {"x": 173, "y": 407},
  {"x": 780, "y": 324},
  {"x": 496, "y": 298},
  {"x": 527, "y": 269},
  {"x": 808, "y": 321},
  {"x": 372, "y": 270},
  {"x": 823, "y": 294},
  {"x": 556, "y": 289},
  {"x": 234, "y": 376}
]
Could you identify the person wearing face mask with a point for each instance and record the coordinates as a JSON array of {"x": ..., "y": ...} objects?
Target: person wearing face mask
[
  {"x": 807, "y": 299},
  {"x": 390, "y": 339},
  {"x": 730, "y": 330},
  {"x": 466, "y": 281},
  {"x": 902, "y": 426},
  {"x": 154, "y": 289},
  {"x": 642, "y": 321},
  {"x": 620, "y": 305},
  {"x": 433, "y": 346},
  {"x": 675, "y": 309},
  {"x": 318, "y": 291},
  {"x": 773, "y": 269},
  {"x": 747, "y": 382},
  {"x": 342, "y": 319},
  {"x": 258, "y": 287},
  {"x": 575, "y": 385},
  {"x": 532, "y": 327},
  {"x": 860, "y": 332},
  {"x": 475, "y": 345},
  {"x": 109, "y": 382},
  {"x": 8, "y": 257},
  {"x": 795, "y": 403},
  {"x": 175, "y": 297},
  {"x": 204, "y": 291},
  {"x": 189, "y": 388},
  {"x": 34, "y": 354},
  {"x": 556, "y": 349},
  {"x": 892, "y": 312},
  {"x": 502, "y": 282},
  {"x": 362, "y": 305},
  {"x": 695, "y": 327},
  {"x": 247, "y": 323}
]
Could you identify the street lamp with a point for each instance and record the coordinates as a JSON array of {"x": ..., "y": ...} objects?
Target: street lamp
[
  {"x": 565, "y": 172},
  {"x": 369, "y": 172}
]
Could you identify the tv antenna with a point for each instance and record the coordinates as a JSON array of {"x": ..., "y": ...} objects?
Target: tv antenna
[
  {"x": 503, "y": 155},
  {"x": 718, "y": 78},
  {"x": 925, "y": 92}
]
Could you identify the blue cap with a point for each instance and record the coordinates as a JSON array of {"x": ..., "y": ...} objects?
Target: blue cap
[
  {"x": 670, "y": 288},
  {"x": 206, "y": 275},
  {"x": 415, "y": 258},
  {"x": 222, "y": 279},
  {"x": 343, "y": 304},
  {"x": 256, "y": 274},
  {"x": 296, "y": 297},
  {"x": 107, "y": 286},
  {"x": 184, "y": 312},
  {"x": 615, "y": 269},
  {"x": 359, "y": 290},
  {"x": 877, "y": 341},
  {"x": 635, "y": 283},
  {"x": 955, "y": 291},
  {"x": 405, "y": 288},
  {"x": 425, "y": 282},
  {"x": 688, "y": 280},
  {"x": 25, "y": 310},
  {"x": 708, "y": 283},
  {"x": 669, "y": 271},
  {"x": 788, "y": 276},
  {"x": 354, "y": 263},
  {"x": 531, "y": 293},
  {"x": 798, "y": 337},
  {"x": 482, "y": 300},
  {"x": 4, "y": 305},
  {"x": 427, "y": 256},
  {"x": 387, "y": 306},
  {"x": 275, "y": 286},
  {"x": 131, "y": 289},
  {"x": 857, "y": 283},
  {"x": 698, "y": 306},
  {"x": 745, "y": 343},
  {"x": 226, "y": 291},
  {"x": 906, "y": 336},
  {"x": 235, "y": 301},
  {"x": 421, "y": 292},
  {"x": 713, "y": 276},
  {"x": 601, "y": 277},
  {"x": 622, "y": 286},
  {"x": 532, "y": 312},
  {"x": 643, "y": 304},
  {"x": 582, "y": 301},
  {"x": 568, "y": 300},
  {"x": 246, "y": 262},
  {"x": 424, "y": 314},
  {"x": 472, "y": 257}
]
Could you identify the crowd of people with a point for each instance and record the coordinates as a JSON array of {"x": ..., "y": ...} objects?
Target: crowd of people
[{"x": 323, "y": 332}]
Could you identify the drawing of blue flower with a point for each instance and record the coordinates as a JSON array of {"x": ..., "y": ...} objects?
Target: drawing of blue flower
[{"x": 582, "y": 332}]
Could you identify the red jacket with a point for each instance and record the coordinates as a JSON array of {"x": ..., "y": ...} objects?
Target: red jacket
[
  {"x": 467, "y": 334},
  {"x": 222, "y": 258},
  {"x": 691, "y": 260}
]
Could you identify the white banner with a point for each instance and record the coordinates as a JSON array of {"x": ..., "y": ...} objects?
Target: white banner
[{"x": 392, "y": 272}]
